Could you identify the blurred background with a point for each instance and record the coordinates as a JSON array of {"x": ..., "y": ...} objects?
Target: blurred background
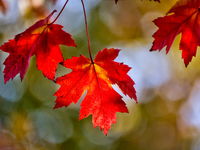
[{"x": 167, "y": 116}]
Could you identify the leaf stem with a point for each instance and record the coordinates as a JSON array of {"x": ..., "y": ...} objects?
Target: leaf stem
[
  {"x": 60, "y": 12},
  {"x": 88, "y": 40}
]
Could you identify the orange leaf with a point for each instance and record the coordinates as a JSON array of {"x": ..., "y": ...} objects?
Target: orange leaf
[
  {"x": 184, "y": 19},
  {"x": 101, "y": 100},
  {"x": 41, "y": 39}
]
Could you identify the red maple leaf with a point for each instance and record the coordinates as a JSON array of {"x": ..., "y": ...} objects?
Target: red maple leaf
[
  {"x": 101, "y": 100},
  {"x": 41, "y": 39},
  {"x": 184, "y": 19}
]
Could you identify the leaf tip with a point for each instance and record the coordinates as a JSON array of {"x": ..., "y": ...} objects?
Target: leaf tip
[
  {"x": 54, "y": 10},
  {"x": 152, "y": 49},
  {"x": 56, "y": 106},
  {"x": 105, "y": 133},
  {"x": 5, "y": 81},
  {"x": 186, "y": 64}
]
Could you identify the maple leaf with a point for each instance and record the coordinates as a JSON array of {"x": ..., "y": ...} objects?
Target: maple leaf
[
  {"x": 101, "y": 100},
  {"x": 184, "y": 19},
  {"x": 41, "y": 39}
]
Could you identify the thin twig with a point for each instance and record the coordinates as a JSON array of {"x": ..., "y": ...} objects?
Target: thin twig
[
  {"x": 60, "y": 12},
  {"x": 87, "y": 30}
]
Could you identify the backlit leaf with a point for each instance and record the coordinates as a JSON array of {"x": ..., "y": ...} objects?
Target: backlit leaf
[
  {"x": 101, "y": 100},
  {"x": 42, "y": 39}
]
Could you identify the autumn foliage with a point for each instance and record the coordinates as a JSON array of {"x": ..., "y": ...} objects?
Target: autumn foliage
[
  {"x": 95, "y": 77},
  {"x": 41, "y": 39},
  {"x": 183, "y": 18},
  {"x": 101, "y": 100}
]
